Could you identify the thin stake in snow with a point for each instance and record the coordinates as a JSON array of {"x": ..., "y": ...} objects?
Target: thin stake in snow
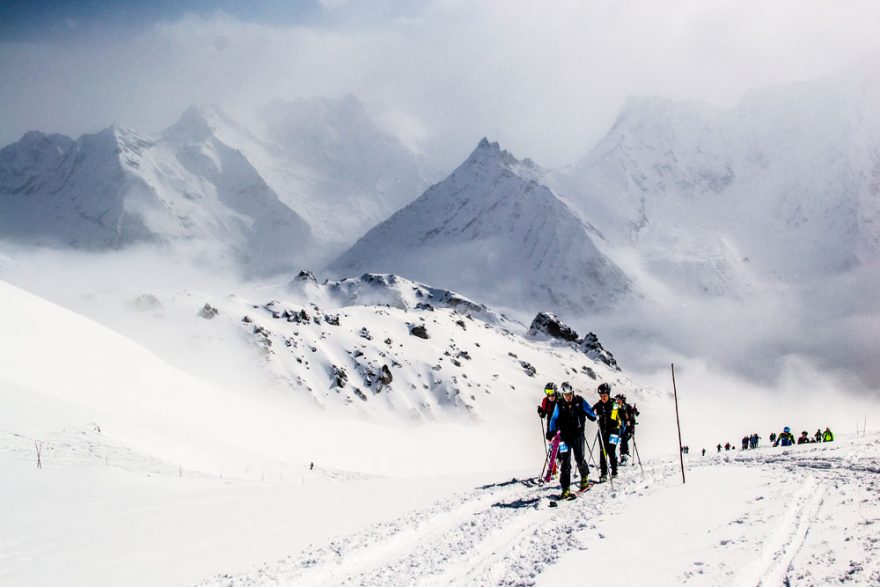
[
  {"x": 677, "y": 423},
  {"x": 38, "y": 444}
]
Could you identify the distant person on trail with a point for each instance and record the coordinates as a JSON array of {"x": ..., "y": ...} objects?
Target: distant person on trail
[
  {"x": 609, "y": 429},
  {"x": 726, "y": 446},
  {"x": 719, "y": 447},
  {"x": 745, "y": 442},
  {"x": 753, "y": 440},
  {"x": 805, "y": 438},
  {"x": 704, "y": 452},
  {"x": 786, "y": 438},
  {"x": 817, "y": 437},
  {"x": 568, "y": 419},
  {"x": 827, "y": 436},
  {"x": 773, "y": 438}
]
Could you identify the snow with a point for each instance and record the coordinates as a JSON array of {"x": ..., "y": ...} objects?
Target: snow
[{"x": 196, "y": 429}]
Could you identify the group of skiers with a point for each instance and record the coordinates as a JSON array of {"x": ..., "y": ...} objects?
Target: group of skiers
[
  {"x": 566, "y": 413},
  {"x": 784, "y": 438}
]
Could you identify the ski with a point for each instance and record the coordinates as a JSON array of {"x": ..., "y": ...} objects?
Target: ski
[{"x": 554, "y": 451}]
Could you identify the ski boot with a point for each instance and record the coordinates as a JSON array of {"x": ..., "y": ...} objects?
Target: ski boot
[
  {"x": 585, "y": 484},
  {"x": 567, "y": 494}
]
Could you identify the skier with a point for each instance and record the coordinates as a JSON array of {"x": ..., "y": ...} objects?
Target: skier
[
  {"x": 627, "y": 426},
  {"x": 545, "y": 410},
  {"x": 726, "y": 446},
  {"x": 773, "y": 438},
  {"x": 745, "y": 442},
  {"x": 755, "y": 439},
  {"x": 719, "y": 447},
  {"x": 805, "y": 438},
  {"x": 568, "y": 419},
  {"x": 786, "y": 438},
  {"x": 704, "y": 452},
  {"x": 609, "y": 428},
  {"x": 827, "y": 436},
  {"x": 548, "y": 403},
  {"x": 817, "y": 437}
]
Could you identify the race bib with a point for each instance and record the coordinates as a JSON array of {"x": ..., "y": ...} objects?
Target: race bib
[
  {"x": 563, "y": 447},
  {"x": 614, "y": 439}
]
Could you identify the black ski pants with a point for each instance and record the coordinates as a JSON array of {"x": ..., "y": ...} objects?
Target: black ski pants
[
  {"x": 574, "y": 443},
  {"x": 624, "y": 443},
  {"x": 611, "y": 449}
]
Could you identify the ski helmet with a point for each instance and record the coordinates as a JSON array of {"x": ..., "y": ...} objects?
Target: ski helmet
[
  {"x": 550, "y": 388},
  {"x": 786, "y": 429},
  {"x": 604, "y": 388},
  {"x": 621, "y": 397},
  {"x": 566, "y": 387}
]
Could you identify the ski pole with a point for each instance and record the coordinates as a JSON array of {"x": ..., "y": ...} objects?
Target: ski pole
[
  {"x": 636, "y": 448},
  {"x": 591, "y": 453},
  {"x": 605, "y": 456},
  {"x": 544, "y": 444}
]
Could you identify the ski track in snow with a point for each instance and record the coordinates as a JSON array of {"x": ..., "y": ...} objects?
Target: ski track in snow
[
  {"x": 506, "y": 533},
  {"x": 503, "y": 534}
]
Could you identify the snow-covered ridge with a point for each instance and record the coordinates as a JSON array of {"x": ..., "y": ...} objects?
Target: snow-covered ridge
[
  {"x": 270, "y": 198},
  {"x": 383, "y": 345}
]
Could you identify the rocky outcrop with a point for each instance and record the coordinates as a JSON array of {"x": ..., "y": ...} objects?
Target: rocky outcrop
[{"x": 550, "y": 325}]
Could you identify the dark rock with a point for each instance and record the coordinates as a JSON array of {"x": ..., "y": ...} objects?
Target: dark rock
[
  {"x": 550, "y": 325},
  {"x": 332, "y": 320},
  {"x": 424, "y": 306},
  {"x": 529, "y": 369},
  {"x": 385, "y": 377},
  {"x": 246, "y": 320},
  {"x": 364, "y": 333},
  {"x": 462, "y": 324},
  {"x": 340, "y": 377},
  {"x": 591, "y": 346},
  {"x": 420, "y": 331},
  {"x": 306, "y": 276},
  {"x": 208, "y": 312}
]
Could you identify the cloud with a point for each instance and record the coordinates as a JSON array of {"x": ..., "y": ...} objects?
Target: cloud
[{"x": 547, "y": 81}]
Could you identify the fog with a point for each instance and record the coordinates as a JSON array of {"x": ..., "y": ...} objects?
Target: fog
[{"x": 545, "y": 81}]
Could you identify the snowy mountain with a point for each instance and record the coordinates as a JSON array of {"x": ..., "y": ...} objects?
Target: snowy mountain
[
  {"x": 492, "y": 229},
  {"x": 115, "y": 188},
  {"x": 291, "y": 191},
  {"x": 784, "y": 185},
  {"x": 336, "y": 168}
]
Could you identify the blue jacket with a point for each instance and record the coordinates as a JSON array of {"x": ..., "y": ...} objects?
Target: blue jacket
[{"x": 569, "y": 417}]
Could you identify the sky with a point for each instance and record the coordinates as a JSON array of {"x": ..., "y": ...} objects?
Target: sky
[{"x": 545, "y": 81}]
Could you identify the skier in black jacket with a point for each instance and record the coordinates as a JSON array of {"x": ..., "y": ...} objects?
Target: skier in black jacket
[
  {"x": 609, "y": 427},
  {"x": 568, "y": 418}
]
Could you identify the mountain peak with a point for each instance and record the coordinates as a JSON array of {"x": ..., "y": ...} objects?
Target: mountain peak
[
  {"x": 198, "y": 121},
  {"x": 490, "y": 156}
]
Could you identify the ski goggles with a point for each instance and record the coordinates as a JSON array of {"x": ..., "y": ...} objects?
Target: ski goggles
[{"x": 550, "y": 391}]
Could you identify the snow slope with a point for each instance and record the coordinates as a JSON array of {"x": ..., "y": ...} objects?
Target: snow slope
[
  {"x": 493, "y": 230},
  {"x": 766, "y": 517}
]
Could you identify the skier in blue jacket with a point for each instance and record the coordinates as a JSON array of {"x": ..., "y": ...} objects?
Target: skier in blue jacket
[{"x": 568, "y": 419}]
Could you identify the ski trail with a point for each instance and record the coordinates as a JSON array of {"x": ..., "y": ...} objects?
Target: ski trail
[
  {"x": 382, "y": 544},
  {"x": 781, "y": 546}
]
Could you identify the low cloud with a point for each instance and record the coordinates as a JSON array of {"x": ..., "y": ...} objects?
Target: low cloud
[{"x": 545, "y": 81}]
